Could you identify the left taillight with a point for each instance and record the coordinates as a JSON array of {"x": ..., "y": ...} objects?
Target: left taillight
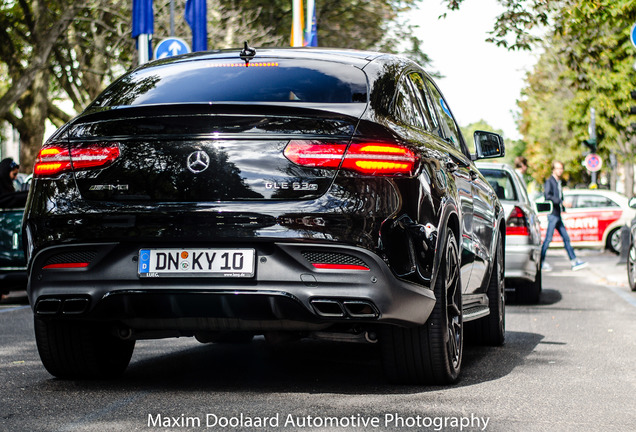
[
  {"x": 517, "y": 223},
  {"x": 367, "y": 158},
  {"x": 54, "y": 159}
]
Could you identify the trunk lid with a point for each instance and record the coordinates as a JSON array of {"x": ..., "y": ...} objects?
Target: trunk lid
[{"x": 208, "y": 153}]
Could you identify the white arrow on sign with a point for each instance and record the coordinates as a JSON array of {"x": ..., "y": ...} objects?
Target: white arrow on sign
[{"x": 174, "y": 48}]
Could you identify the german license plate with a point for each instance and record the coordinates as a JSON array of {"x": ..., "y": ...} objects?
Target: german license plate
[{"x": 174, "y": 262}]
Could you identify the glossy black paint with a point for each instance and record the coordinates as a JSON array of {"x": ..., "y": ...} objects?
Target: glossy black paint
[{"x": 247, "y": 198}]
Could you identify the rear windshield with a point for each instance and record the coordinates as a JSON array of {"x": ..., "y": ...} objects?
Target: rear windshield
[
  {"x": 228, "y": 80},
  {"x": 502, "y": 184}
]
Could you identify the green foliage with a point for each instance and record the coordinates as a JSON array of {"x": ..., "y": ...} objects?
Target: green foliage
[{"x": 588, "y": 62}]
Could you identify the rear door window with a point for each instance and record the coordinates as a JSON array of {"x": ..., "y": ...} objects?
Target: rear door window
[
  {"x": 449, "y": 127},
  {"x": 502, "y": 183},
  {"x": 424, "y": 100},
  {"x": 406, "y": 106}
]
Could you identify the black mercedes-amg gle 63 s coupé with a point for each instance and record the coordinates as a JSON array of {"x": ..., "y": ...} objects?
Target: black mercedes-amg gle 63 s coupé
[{"x": 269, "y": 192}]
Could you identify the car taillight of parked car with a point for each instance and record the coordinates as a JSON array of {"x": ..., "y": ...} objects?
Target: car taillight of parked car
[
  {"x": 365, "y": 158},
  {"x": 56, "y": 159},
  {"x": 517, "y": 223}
]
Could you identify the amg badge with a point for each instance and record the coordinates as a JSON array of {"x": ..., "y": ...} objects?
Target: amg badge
[{"x": 123, "y": 187}]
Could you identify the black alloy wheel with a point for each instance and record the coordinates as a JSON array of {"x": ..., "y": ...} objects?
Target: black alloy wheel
[
  {"x": 631, "y": 265},
  {"x": 452, "y": 287},
  {"x": 431, "y": 353}
]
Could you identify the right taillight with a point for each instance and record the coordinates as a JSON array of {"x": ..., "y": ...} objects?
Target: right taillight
[
  {"x": 369, "y": 158},
  {"x": 517, "y": 223},
  {"x": 56, "y": 159}
]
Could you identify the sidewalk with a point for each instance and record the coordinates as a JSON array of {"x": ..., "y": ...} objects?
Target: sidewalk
[{"x": 603, "y": 265}]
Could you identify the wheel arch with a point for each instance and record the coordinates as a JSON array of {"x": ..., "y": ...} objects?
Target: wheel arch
[{"x": 449, "y": 219}]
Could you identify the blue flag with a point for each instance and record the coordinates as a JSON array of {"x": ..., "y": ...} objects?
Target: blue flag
[
  {"x": 143, "y": 20},
  {"x": 311, "y": 33},
  {"x": 197, "y": 17}
]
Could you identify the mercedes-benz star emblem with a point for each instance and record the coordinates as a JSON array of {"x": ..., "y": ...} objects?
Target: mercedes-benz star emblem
[{"x": 198, "y": 161}]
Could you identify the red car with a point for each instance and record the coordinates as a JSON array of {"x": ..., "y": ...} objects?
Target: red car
[{"x": 593, "y": 218}]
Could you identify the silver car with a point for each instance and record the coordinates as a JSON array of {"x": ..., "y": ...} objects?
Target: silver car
[{"x": 523, "y": 232}]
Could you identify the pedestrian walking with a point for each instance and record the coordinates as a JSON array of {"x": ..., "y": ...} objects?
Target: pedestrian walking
[
  {"x": 521, "y": 168},
  {"x": 9, "y": 198},
  {"x": 553, "y": 192}
]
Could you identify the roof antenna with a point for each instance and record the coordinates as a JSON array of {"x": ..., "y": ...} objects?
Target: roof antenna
[{"x": 247, "y": 53}]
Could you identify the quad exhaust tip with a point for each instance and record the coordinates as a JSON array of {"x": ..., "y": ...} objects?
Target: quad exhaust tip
[
  {"x": 62, "y": 306},
  {"x": 332, "y": 308}
]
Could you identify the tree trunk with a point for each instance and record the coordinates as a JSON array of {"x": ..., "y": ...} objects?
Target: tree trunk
[{"x": 33, "y": 124}]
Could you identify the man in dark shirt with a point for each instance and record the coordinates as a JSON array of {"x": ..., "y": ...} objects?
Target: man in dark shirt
[{"x": 554, "y": 193}]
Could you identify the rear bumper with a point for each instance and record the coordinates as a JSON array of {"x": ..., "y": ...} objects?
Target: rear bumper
[
  {"x": 286, "y": 293},
  {"x": 522, "y": 261}
]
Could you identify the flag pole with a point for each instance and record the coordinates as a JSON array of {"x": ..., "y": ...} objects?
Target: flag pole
[
  {"x": 142, "y": 48},
  {"x": 297, "y": 23}
]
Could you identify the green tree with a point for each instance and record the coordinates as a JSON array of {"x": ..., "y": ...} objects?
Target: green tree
[
  {"x": 588, "y": 63},
  {"x": 28, "y": 36}
]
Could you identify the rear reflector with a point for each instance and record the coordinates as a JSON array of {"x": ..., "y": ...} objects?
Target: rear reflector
[
  {"x": 517, "y": 223},
  {"x": 66, "y": 265},
  {"x": 56, "y": 159},
  {"x": 364, "y": 158},
  {"x": 326, "y": 266}
]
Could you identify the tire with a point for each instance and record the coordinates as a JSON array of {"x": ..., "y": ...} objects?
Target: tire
[
  {"x": 80, "y": 350},
  {"x": 631, "y": 266},
  {"x": 491, "y": 330},
  {"x": 430, "y": 353},
  {"x": 530, "y": 292},
  {"x": 613, "y": 243}
]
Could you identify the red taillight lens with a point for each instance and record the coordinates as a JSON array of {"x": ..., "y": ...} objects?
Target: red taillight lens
[
  {"x": 315, "y": 154},
  {"x": 365, "y": 158},
  {"x": 517, "y": 223},
  {"x": 52, "y": 160},
  {"x": 379, "y": 159},
  {"x": 56, "y": 159}
]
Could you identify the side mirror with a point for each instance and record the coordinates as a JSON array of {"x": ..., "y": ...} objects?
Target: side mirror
[
  {"x": 544, "y": 207},
  {"x": 632, "y": 202},
  {"x": 488, "y": 145}
]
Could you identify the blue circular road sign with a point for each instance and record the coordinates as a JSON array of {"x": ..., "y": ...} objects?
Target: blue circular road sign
[
  {"x": 170, "y": 47},
  {"x": 632, "y": 35}
]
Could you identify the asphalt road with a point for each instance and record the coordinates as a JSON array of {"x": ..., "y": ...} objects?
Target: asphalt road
[{"x": 567, "y": 365}]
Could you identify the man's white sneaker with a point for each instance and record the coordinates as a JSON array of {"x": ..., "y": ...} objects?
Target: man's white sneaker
[
  {"x": 546, "y": 267},
  {"x": 577, "y": 264}
]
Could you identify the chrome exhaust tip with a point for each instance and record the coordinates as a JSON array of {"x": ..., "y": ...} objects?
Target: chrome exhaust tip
[
  {"x": 360, "y": 309},
  {"x": 328, "y": 308}
]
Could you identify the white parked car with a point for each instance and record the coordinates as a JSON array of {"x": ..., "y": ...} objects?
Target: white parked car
[
  {"x": 593, "y": 218},
  {"x": 523, "y": 233}
]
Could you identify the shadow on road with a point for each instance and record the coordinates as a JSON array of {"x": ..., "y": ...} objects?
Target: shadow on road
[
  {"x": 299, "y": 367},
  {"x": 548, "y": 297}
]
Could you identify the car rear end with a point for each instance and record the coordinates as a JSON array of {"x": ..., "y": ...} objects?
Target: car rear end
[
  {"x": 523, "y": 238},
  {"x": 222, "y": 195}
]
